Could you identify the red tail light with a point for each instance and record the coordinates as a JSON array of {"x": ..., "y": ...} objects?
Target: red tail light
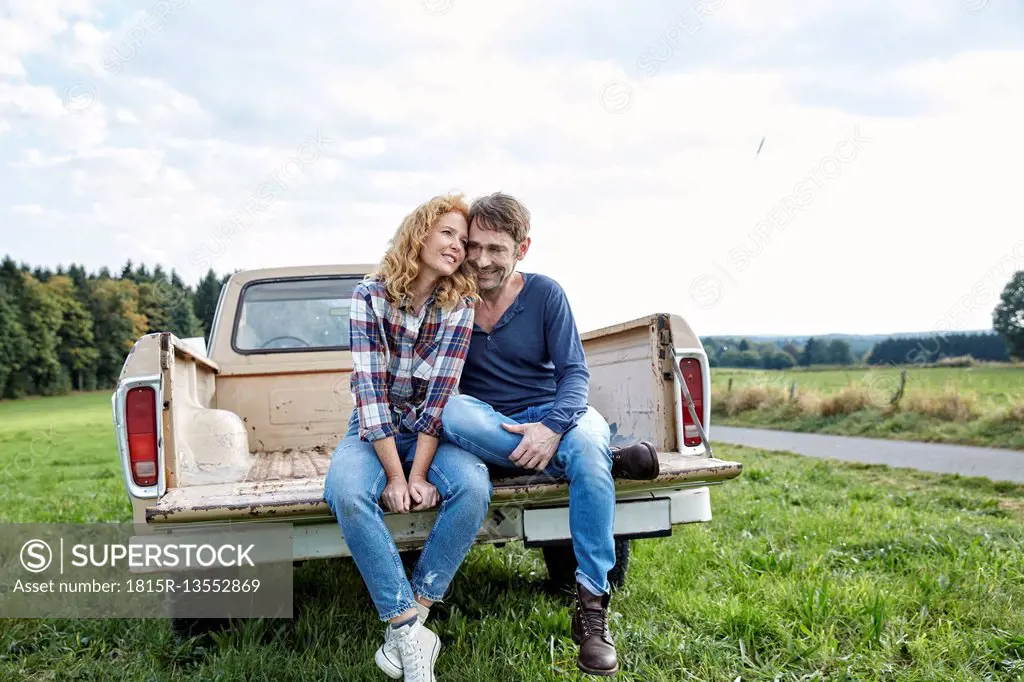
[
  {"x": 695, "y": 384},
  {"x": 140, "y": 419}
]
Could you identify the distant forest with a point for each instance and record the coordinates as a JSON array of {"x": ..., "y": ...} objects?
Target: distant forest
[
  {"x": 67, "y": 329},
  {"x": 1006, "y": 341},
  {"x": 785, "y": 353}
]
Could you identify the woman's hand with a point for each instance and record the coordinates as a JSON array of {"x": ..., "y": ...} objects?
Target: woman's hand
[
  {"x": 396, "y": 495},
  {"x": 423, "y": 493}
]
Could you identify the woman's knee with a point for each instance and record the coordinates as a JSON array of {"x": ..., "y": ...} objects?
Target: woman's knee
[
  {"x": 346, "y": 498},
  {"x": 465, "y": 476},
  {"x": 477, "y": 488},
  {"x": 350, "y": 487}
]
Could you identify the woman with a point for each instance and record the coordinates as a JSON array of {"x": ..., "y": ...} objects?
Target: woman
[{"x": 411, "y": 323}]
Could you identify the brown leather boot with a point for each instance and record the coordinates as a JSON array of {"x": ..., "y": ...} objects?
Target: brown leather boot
[
  {"x": 638, "y": 461},
  {"x": 590, "y": 631}
]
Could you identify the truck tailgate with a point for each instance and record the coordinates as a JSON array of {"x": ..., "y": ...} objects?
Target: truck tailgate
[{"x": 291, "y": 485}]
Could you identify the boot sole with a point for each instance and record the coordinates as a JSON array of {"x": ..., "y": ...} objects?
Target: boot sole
[
  {"x": 386, "y": 666},
  {"x": 592, "y": 671},
  {"x": 599, "y": 673}
]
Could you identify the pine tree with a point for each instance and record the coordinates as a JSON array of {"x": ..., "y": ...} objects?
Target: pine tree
[
  {"x": 206, "y": 298},
  {"x": 154, "y": 303},
  {"x": 809, "y": 352},
  {"x": 14, "y": 344}
]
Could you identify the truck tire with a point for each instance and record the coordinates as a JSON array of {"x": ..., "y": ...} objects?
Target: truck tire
[
  {"x": 178, "y": 604},
  {"x": 186, "y": 628},
  {"x": 561, "y": 564}
]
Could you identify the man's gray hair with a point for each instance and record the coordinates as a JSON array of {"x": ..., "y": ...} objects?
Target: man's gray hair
[{"x": 502, "y": 213}]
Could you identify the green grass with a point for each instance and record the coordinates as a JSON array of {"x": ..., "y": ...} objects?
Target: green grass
[
  {"x": 999, "y": 385},
  {"x": 987, "y": 432},
  {"x": 981, "y": 405},
  {"x": 58, "y": 461},
  {"x": 809, "y": 571}
]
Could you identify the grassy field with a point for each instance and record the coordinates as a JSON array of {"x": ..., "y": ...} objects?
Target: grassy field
[
  {"x": 809, "y": 571},
  {"x": 980, "y": 405},
  {"x": 994, "y": 385}
]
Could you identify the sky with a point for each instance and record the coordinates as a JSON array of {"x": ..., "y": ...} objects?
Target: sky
[{"x": 756, "y": 166}]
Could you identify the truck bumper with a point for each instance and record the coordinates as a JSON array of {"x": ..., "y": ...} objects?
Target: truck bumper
[{"x": 647, "y": 515}]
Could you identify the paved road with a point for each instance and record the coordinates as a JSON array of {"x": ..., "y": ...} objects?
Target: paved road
[{"x": 996, "y": 464}]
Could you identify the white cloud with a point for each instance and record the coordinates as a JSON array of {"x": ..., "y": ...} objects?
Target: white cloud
[
  {"x": 28, "y": 27},
  {"x": 650, "y": 181},
  {"x": 28, "y": 209}
]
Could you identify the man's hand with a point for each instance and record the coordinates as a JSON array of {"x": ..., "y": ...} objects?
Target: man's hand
[
  {"x": 423, "y": 493},
  {"x": 396, "y": 495},
  {"x": 537, "y": 447}
]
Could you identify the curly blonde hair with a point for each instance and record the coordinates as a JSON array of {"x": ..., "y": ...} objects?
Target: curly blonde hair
[{"x": 400, "y": 265}]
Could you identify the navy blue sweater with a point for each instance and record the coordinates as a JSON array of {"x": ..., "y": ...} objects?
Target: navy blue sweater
[{"x": 533, "y": 356}]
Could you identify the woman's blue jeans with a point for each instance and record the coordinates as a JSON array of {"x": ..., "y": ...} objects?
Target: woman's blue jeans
[{"x": 354, "y": 484}]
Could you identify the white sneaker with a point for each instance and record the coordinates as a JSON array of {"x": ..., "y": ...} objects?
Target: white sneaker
[
  {"x": 418, "y": 647},
  {"x": 388, "y": 657}
]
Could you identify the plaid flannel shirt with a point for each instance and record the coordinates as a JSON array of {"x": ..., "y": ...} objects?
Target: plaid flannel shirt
[{"x": 405, "y": 366}]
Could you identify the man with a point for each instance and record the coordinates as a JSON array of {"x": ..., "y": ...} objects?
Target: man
[{"x": 523, "y": 405}]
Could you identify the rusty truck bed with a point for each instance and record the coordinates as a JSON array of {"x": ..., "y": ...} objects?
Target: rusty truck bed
[{"x": 290, "y": 485}]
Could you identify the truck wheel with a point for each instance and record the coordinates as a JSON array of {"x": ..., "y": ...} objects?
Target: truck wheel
[
  {"x": 181, "y": 604},
  {"x": 561, "y": 563},
  {"x": 185, "y": 628}
]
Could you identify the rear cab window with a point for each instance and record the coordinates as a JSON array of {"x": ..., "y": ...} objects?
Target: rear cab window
[{"x": 289, "y": 315}]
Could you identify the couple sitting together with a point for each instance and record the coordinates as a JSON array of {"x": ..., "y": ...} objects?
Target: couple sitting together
[{"x": 463, "y": 366}]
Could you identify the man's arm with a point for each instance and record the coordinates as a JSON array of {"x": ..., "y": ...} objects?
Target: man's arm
[
  {"x": 540, "y": 439},
  {"x": 572, "y": 375}
]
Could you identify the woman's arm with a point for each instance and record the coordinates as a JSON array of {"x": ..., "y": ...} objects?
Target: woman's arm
[
  {"x": 370, "y": 387},
  {"x": 444, "y": 379},
  {"x": 447, "y": 369}
]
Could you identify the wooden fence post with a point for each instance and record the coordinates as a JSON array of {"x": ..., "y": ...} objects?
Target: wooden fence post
[{"x": 899, "y": 389}]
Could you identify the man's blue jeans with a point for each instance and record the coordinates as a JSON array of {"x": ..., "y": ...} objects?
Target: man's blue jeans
[
  {"x": 583, "y": 457},
  {"x": 354, "y": 484}
]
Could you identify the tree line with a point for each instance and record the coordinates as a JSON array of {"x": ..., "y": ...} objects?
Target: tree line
[
  {"x": 741, "y": 352},
  {"x": 1006, "y": 342},
  {"x": 69, "y": 329},
  {"x": 902, "y": 350},
  {"x": 733, "y": 352}
]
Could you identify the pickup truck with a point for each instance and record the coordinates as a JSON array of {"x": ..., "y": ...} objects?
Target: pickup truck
[{"x": 244, "y": 430}]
